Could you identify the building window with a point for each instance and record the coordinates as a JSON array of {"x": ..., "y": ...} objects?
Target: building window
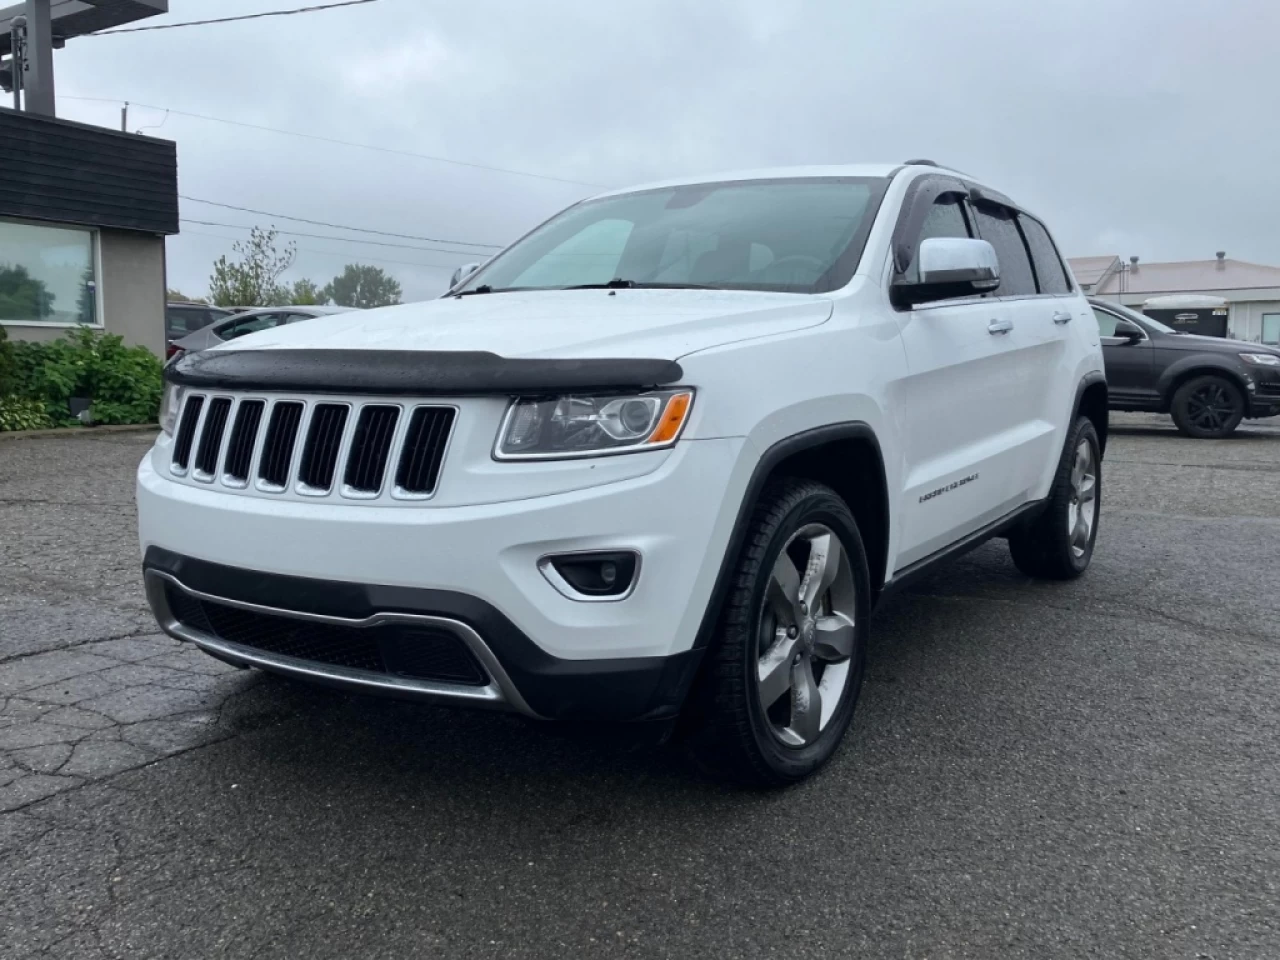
[
  {"x": 47, "y": 274},
  {"x": 1271, "y": 328}
]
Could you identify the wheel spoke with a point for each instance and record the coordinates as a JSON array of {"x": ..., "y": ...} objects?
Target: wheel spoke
[
  {"x": 824, "y": 564},
  {"x": 775, "y": 669},
  {"x": 783, "y": 592},
  {"x": 1088, "y": 488},
  {"x": 1080, "y": 534},
  {"x": 834, "y": 638},
  {"x": 806, "y": 702}
]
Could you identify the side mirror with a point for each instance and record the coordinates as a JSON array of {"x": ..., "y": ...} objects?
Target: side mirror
[
  {"x": 464, "y": 271},
  {"x": 949, "y": 267},
  {"x": 1130, "y": 331}
]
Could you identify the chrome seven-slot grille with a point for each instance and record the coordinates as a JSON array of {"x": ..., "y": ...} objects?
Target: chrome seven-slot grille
[{"x": 313, "y": 447}]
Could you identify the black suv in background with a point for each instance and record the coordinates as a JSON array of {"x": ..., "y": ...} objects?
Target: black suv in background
[{"x": 1207, "y": 384}]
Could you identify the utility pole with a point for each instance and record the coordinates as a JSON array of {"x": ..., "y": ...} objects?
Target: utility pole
[
  {"x": 39, "y": 58},
  {"x": 17, "y": 57}
]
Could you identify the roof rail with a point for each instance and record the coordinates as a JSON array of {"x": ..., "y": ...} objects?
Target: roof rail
[{"x": 921, "y": 163}]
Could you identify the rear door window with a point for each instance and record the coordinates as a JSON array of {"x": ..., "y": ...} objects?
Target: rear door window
[
  {"x": 1050, "y": 273},
  {"x": 999, "y": 228}
]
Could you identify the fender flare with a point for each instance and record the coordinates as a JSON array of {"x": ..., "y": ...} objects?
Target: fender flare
[
  {"x": 1195, "y": 364},
  {"x": 1087, "y": 381},
  {"x": 774, "y": 455}
]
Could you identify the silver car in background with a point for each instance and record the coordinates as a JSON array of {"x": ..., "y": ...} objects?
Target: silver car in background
[{"x": 251, "y": 321}]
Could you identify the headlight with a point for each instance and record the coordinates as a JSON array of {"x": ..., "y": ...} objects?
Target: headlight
[
  {"x": 1261, "y": 359},
  {"x": 170, "y": 403},
  {"x": 554, "y": 428}
]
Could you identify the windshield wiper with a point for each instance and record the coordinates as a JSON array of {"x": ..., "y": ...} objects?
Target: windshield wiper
[
  {"x": 483, "y": 288},
  {"x": 620, "y": 284}
]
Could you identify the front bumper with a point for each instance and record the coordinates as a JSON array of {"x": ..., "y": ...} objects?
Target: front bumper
[
  {"x": 471, "y": 571},
  {"x": 513, "y": 673}
]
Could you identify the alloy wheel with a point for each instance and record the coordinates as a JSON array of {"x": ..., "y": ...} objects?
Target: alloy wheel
[
  {"x": 806, "y": 635},
  {"x": 1082, "y": 508},
  {"x": 1210, "y": 407}
]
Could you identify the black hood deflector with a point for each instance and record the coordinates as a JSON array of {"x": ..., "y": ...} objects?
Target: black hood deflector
[{"x": 412, "y": 372}]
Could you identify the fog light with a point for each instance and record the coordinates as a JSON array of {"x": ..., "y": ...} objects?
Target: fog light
[{"x": 592, "y": 576}]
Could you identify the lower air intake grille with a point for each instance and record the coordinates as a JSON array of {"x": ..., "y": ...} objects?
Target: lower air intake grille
[
  {"x": 396, "y": 649},
  {"x": 423, "y": 453}
]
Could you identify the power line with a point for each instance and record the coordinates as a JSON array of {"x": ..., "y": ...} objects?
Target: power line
[
  {"x": 321, "y": 236},
  {"x": 339, "y": 226},
  {"x": 344, "y": 143},
  {"x": 335, "y": 253},
  {"x": 247, "y": 16}
]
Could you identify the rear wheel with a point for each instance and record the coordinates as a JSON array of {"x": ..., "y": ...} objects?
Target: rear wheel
[
  {"x": 787, "y": 661},
  {"x": 1207, "y": 407},
  {"x": 1058, "y": 544}
]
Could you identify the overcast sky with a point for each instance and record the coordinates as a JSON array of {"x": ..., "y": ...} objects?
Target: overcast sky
[{"x": 1145, "y": 127}]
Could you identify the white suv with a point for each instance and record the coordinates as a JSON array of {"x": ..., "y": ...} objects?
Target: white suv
[{"x": 659, "y": 459}]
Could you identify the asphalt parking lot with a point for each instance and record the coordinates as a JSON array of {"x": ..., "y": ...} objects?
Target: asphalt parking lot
[{"x": 1079, "y": 770}]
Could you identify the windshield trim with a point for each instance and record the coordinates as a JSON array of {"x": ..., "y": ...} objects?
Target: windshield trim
[{"x": 838, "y": 274}]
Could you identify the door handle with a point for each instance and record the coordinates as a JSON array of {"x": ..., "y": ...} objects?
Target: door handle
[
  {"x": 999, "y": 326},
  {"x": 1062, "y": 316}
]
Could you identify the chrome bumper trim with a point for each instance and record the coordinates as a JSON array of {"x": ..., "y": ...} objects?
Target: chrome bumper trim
[{"x": 498, "y": 694}]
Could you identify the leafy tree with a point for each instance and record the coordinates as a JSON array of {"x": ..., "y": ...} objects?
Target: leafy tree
[
  {"x": 254, "y": 280},
  {"x": 305, "y": 293},
  {"x": 22, "y": 296},
  {"x": 363, "y": 286},
  {"x": 179, "y": 295}
]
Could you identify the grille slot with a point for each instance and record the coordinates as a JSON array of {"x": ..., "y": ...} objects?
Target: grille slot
[
  {"x": 244, "y": 433},
  {"x": 399, "y": 649},
  {"x": 320, "y": 453},
  {"x": 215, "y": 423},
  {"x": 277, "y": 450},
  {"x": 371, "y": 448},
  {"x": 423, "y": 451},
  {"x": 187, "y": 432}
]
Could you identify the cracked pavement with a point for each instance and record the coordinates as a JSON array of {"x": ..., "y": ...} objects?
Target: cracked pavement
[{"x": 1036, "y": 770}]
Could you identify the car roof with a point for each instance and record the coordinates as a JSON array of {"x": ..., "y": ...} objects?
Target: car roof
[
  {"x": 313, "y": 310},
  {"x": 880, "y": 170}
]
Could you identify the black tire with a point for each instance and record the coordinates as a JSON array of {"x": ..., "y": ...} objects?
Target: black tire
[
  {"x": 732, "y": 734},
  {"x": 1044, "y": 547},
  {"x": 1207, "y": 407}
]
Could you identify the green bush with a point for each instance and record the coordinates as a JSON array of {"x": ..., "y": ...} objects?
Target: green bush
[
  {"x": 18, "y": 413},
  {"x": 123, "y": 383}
]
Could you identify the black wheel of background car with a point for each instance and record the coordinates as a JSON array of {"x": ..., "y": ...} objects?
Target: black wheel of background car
[
  {"x": 1207, "y": 407},
  {"x": 786, "y": 662},
  {"x": 1058, "y": 544}
]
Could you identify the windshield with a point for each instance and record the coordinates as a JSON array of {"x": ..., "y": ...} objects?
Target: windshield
[{"x": 793, "y": 236}]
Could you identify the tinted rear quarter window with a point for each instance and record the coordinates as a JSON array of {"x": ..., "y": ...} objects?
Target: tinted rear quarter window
[
  {"x": 998, "y": 227},
  {"x": 1049, "y": 269}
]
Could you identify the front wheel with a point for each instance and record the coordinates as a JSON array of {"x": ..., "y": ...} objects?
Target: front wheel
[
  {"x": 1207, "y": 408},
  {"x": 787, "y": 662},
  {"x": 1058, "y": 544}
]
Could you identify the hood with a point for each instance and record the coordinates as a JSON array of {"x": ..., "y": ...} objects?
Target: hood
[
  {"x": 660, "y": 324},
  {"x": 1203, "y": 344}
]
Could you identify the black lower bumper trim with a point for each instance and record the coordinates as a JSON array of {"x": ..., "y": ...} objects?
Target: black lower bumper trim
[{"x": 609, "y": 690}]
